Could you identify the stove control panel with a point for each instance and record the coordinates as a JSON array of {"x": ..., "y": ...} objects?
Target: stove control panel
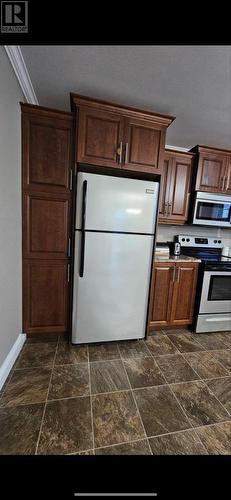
[{"x": 198, "y": 241}]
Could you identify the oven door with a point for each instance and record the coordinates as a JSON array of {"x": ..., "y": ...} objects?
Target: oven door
[
  {"x": 212, "y": 212},
  {"x": 216, "y": 292}
]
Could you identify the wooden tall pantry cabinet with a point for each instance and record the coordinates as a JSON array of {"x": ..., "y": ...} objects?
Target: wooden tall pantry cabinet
[{"x": 47, "y": 179}]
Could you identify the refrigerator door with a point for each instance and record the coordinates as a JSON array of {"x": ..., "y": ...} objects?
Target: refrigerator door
[
  {"x": 110, "y": 300},
  {"x": 117, "y": 204}
]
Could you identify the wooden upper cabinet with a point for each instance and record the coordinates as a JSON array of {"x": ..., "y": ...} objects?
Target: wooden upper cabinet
[
  {"x": 165, "y": 182},
  {"x": 99, "y": 137},
  {"x": 228, "y": 177},
  {"x": 212, "y": 170},
  {"x": 47, "y": 149},
  {"x": 143, "y": 145},
  {"x": 112, "y": 135},
  {"x": 175, "y": 187}
]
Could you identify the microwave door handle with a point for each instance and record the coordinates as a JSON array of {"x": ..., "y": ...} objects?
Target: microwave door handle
[{"x": 83, "y": 221}]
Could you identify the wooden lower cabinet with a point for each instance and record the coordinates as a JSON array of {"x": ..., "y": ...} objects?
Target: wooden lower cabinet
[
  {"x": 173, "y": 294},
  {"x": 46, "y": 287}
]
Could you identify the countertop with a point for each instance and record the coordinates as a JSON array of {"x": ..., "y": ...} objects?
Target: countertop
[{"x": 176, "y": 258}]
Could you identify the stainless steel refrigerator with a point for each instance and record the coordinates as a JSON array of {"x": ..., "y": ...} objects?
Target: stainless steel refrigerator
[{"x": 115, "y": 227}]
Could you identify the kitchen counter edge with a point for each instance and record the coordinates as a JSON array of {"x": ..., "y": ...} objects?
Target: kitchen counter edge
[{"x": 176, "y": 258}]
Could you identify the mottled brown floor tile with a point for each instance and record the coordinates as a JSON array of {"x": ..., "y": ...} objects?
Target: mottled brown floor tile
[
  {"x": 160, "y": 344},
  {"x": 34, "y": 355},
  {"x": 181, "y": 443},
  {"x": 108, "y": 376},
  {"x": 224, "y": 357},
  {"x": 69, "y": 381},
  {"x": 7, "y": 381},
  {"x": 133, "y": 349},
  {"x": 225, "y": 337},
  {"x": 199, "y": 403},
  {"x": 38, "y": 339},
  {"x": 133, "y": 448},
  {"x": 205, "y": 364},
  {"x": 221, "y": 387},
  {"x": 217, "y": 438},
  {"x": 176, "y": 330},
  {"x": 185, "y": 342},
  {"x": 176, "y": 369},
  {"x": 160, "y": 411},
  {"x": 27, "y": 386},
  {"x": 143, "y": 372},
  {"x": 156, "y": 332},
  {"x": 88, "y": 452},
  {"x": 115, "y": 418},
  {"x": 66, "y": 427},
  {"x": 70, "y": 354},
  {"x": 209, "y": 341},
  {"x": 19, "y": 429},
  {"x": 103, "y": 352}
]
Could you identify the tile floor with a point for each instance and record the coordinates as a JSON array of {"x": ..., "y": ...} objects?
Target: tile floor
[{"x": 168, "y": 395}]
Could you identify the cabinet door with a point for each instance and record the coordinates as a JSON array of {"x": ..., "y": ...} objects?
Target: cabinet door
[
  {"x": 211, "y": 172},
  {"x": 227, "y": 183},
  {"x": 99, "y": 137},
  {"x": 46, "y": 229},
  {"x": 144, "y": 146},
  {"x": 164, "y": 187},
  {"x": 45, "y": 294},
  {"x": 161, "y": 295},
  {"x": 184, "y": 293},
  {"x": 179, "y": 190},
  {"x": 47, "y": 153}
]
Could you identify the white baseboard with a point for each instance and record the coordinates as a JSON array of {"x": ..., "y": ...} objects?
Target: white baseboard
[{"x": 11, "y": 358}]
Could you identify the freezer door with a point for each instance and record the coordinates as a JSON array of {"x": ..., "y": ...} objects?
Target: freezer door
[
  {"x": 110, "y": 300},
  {"x": 117, "y": 204}
]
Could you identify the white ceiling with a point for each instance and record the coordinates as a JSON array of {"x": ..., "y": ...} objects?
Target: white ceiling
[{"x": 192, "y": 83}]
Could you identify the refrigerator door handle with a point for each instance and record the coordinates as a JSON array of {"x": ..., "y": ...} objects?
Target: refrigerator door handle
[
  {"x": 82, "y": 254},
  {"x": 84, "y": 202},
  {"x": 82, "y": 250}
]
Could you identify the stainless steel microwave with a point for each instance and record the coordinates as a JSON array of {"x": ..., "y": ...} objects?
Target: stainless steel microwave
[{"x": 211, "y": 209}]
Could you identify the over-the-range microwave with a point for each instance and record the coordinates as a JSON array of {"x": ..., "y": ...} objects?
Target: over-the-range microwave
[{"x": 212, "y": 209}]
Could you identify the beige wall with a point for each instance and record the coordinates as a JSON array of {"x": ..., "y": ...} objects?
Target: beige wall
[{"x": 10, "y": 207}]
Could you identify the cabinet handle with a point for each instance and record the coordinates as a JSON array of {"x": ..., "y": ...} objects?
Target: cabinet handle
[
  {"x": 227, "y": 180},
  {"x": 174, "y": 274},
  {"x": 69, "y": 247},
  {"x": 221, "y": 183},
  {"x": 71, "y": 180},
  {"x": 126, "y": 153},
  {"x": 169, "y": 209},
  {"x": 165, "y": 209},
  {"x": 68, "y": 273},
  {"x": 178, "y": 275},
  {"x": 119, "y": 152}
]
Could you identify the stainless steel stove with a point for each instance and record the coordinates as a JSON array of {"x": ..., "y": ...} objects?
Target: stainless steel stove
[{"x": 213, "y": 299}]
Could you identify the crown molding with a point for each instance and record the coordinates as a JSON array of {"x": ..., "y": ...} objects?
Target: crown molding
[
  {"x": 177, "y": 148},
  {"x": 19, "y": 66}
]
